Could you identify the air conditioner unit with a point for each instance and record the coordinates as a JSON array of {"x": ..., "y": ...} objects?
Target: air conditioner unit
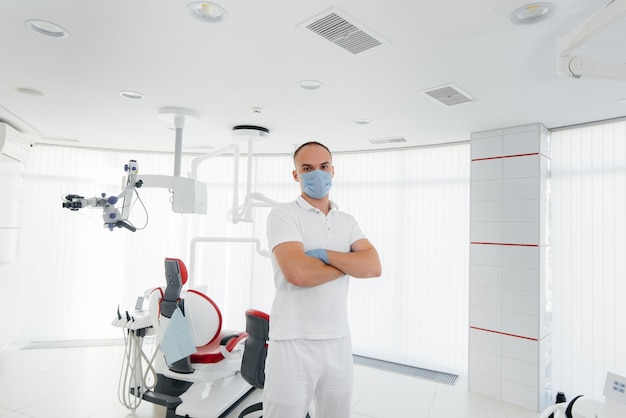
[{"x": 13, "y": 143}]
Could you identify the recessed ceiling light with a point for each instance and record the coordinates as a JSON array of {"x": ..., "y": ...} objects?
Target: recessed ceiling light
[
  {"x": 250, "y": 133},
  {"x": 46, "y": 28},
  {"x": 30, "y": 92},
  {"x": 532, "y": 13},
  {"x": 309, "y": 84},
  {"x": 362, "y": 121},
  {"x": 131, "y": 95},
  {"x": 207, "y": 12}
]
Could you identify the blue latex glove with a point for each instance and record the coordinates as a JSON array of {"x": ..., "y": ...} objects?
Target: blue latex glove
[{"x": 319, "y": 253}]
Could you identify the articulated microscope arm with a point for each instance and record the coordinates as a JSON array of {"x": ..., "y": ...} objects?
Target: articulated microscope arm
[
  {"x": 189, "y": 196},
  {"x": 111, "y": 216}
]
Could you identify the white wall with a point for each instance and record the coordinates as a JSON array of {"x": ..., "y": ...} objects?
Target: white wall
[
  {"x": 11, "y": 304},
  {"x": 10, "y": 282}
]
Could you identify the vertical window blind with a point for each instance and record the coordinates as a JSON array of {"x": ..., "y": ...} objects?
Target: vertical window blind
[
  {"x": 588, "y": 191},
  {"x": 412, "y": 204}
]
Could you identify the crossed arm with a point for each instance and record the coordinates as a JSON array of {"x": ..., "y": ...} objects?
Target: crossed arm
[{"x": 301, "y": 269}]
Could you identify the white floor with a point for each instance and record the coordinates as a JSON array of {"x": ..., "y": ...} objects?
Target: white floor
[{"x": 82, "y": 382}]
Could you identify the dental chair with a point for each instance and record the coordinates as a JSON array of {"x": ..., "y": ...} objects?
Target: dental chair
[
  {"x": 582, "y": 407},
  {"x": 208, "y": 382},
  {"x": 613, "y": 405},
  {"x": 255, "y": 353}
]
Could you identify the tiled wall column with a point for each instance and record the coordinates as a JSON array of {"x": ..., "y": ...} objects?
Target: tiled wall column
[{"x": 509, "y": 335}]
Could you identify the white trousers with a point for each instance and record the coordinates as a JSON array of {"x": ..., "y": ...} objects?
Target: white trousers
[{"x": 300, "y": 371}]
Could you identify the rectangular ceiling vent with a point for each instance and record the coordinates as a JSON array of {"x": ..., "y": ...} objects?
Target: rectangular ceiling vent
[
  {"x": 448, "y": 95},
  {"x": 342, "y": 30},
  {"x": 387, "y": 141}
]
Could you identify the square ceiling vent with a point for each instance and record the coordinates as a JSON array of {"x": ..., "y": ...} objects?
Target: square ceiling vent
[
  {"x": 342, "y": 30},
  {"x": 448, "y": 95}
]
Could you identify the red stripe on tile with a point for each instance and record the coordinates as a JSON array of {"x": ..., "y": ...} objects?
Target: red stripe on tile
[
  {"x": 505, "y": 156},
  {"x": 504, "y": 333},
  {"x": 504, "y": 244}
]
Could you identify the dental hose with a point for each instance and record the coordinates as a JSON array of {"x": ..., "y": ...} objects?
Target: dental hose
[{"x": 133, "y": 384}]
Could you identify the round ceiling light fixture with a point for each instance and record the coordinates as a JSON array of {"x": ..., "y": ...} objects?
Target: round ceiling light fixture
[
  {"x": 250, "y": 133},
  {"x": 47, "y": 28},
  {"x": 532, "y": 13},
  {"x": 178, "y": 117},
  {"x": 309, "y": 84},
  {"x": 29, "y": 92},
  {"x": 207, "y": 12},
  {"x": 131, "y": 95}
]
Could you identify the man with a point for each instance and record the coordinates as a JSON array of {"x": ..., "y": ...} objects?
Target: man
[{"x": 315, "y": 247}]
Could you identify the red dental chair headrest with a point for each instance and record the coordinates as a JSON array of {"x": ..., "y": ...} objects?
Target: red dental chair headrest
[{"x": 181, "y": 267}]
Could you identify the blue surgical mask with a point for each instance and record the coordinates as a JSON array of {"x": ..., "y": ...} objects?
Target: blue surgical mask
[{"x": 316, "y": 184}]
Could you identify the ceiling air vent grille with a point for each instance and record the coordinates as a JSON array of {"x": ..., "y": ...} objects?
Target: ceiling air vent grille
[
  {"x": 387, "y": 141},
  {"x": 343, "y": 31},
  {"x": 448, "y": 95}
]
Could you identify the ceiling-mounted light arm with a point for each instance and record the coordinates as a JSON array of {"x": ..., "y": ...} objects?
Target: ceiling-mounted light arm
[
  {"x": 250, "y": 134},
  {"x": 583, "y": 65},
  {"x": 235, "y": 148},
  {"x": 179, "y": 124},
  {"x": 578, "y": 66},
  {"x": 177, "y": 116}
]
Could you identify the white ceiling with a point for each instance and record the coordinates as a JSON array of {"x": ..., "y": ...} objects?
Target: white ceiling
[{"x": 255, "y": 57}]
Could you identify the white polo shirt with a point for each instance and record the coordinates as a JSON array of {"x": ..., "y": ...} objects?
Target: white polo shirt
[{"x": 318, "y": 312}]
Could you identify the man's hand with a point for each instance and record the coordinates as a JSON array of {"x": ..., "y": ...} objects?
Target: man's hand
[
  {"x": 319, "y": 253},
  {"x": 361, "y": 262}
]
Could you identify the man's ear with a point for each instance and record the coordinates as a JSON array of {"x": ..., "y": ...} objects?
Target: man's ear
[{"x": 294, "y": 173}]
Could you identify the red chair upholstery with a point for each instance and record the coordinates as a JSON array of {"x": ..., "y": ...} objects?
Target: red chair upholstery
[{"x": 212, "y": 343}]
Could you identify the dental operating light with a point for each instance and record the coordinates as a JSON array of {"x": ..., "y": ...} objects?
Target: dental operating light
[{"x": 577, "y": 66}]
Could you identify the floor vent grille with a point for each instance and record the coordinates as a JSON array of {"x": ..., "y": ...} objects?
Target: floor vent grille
[
  {"x": 74, "y": 343},
  {"x": 427, "y": 374}
]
